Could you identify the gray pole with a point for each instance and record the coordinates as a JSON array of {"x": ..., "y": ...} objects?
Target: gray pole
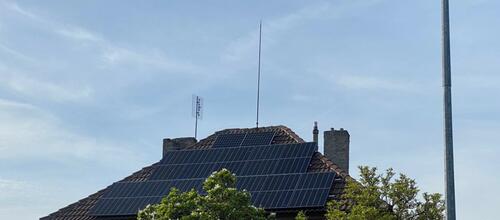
[
  {"x": 258, "y": 75},
  {"x": 448, "y": 127},
  {"x": 197, "y": 114}
]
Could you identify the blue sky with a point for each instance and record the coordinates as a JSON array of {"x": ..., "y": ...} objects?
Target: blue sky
[{"x": 88, "y": 89}]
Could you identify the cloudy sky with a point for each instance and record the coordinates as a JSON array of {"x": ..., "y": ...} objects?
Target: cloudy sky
[{"x": 88, "y": 89}]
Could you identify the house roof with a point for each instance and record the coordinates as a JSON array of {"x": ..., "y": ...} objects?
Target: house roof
[{"x": 283, "y": 135}]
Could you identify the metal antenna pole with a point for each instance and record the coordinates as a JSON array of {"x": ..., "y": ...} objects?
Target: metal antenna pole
[
  {"x": 196, "y": 127},
  {"x": 258, "y": 74},
  {"x": 197, "y": 114},
  {"x": 448, "y": 128}
]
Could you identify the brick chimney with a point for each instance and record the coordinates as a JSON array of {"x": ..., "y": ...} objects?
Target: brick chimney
[
  {"x": 336, "y": 147},
  {"x": 177, "y": 144}
]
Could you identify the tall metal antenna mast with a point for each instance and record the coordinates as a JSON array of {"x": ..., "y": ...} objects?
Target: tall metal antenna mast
[
  {"x": 448, "y": 128},
  {"x": 197, "y": 112},
  {"x": 258, "y": 75}
]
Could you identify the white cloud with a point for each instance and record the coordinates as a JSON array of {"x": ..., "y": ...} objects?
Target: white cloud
[
  {"x": 29, "y": 135},
  {"x": 78, "y": 33},
  {"x": 18, "y": 9},
  {"x": 15, "y": 194},
  {"x": 21, "y": 83},
  {"x": 16, "y": 53},
  {"x": 302, "y": 97},
  {"x": 244, "y": 47},
  {"x": 110, "y": 53},
  {"x": 477, "y": 81},
  {"x": 43, "y": 89},
  {"x": 114, "y": 56},
  {"x": 15, "y": 189},
  {"x": 27, "y": 132},
  {"x": 374, "y": 83}
]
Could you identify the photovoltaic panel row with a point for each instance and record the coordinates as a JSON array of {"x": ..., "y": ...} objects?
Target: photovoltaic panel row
[
  {"x": 265, "y": 167},
  {"x": 269, "y": 192},
  {"x": 285, "y": 181},
  {"x": 309, "y": 198},
  {"x": 283, "y": 199},
  {"x": 276, "y": 192},
  {"x": 255, "y": 139},
  {"x": 250, "y": 183},
  {"x": 290, "y": 199},
  {"x": 229, "y": 140},
  {"x": 151, "y": 188},
  {"x": 282, "y": 151},
  {"x": 245, "y": 139},
  {"x": 240, "y": 168},
  {"x": 239, "y": 153},
  {"x": 316, "y": 180},
  {"x": 122, "y": 206}
]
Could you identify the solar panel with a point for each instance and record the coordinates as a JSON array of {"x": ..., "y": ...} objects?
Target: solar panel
[
  {"x": 229, "y": 140},
  {"x": 279, "y": 191},
  {"x": 122, "y": 206},
  {"x": 243, "y": 139},
  {"x": 151, "y": 188},
  {"x": 308, "y": 198},
  {"x": 261, "y": 138}
]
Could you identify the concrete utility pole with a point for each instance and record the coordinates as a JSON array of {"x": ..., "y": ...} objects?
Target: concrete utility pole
[
  {"x": 258, "y": 75},
  {"x": 448, "y": 127}
]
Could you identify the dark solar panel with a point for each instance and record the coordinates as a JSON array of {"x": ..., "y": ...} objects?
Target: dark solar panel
[
  {"x": 151, "y": 188},
  {"x": 291, "y": 191},
  {"x": 229, "y": 140},
  {"x": 261, "y": 138},
  {"x": 122, "y": 206},
  {"x": 244, "y": 139}
]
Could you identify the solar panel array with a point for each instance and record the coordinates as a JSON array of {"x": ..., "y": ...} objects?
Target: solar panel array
[
  {"x": 244, "y": 139},
  {"x": 275, "y": 175},
  {"x": 243, "y": 161},
  {"x": 304, "y": 190}
]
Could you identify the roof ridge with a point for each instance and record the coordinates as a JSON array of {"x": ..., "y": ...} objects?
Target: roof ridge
[
  {"x": 290, "y": 132},
  {"x": 284, "y": 130}
]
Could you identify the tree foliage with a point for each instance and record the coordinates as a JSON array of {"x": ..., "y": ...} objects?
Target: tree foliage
[
  {"x": 221, "y": 201},
  {"x": 301, "y": 216},
  {"x": 381, "y": 196}
]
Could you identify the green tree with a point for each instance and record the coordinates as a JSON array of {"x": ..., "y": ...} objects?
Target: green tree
[
  {"x": 381, "y": 196},
  {"x": 221, "y": 201},
  {"x": 301, "y": 216}
]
